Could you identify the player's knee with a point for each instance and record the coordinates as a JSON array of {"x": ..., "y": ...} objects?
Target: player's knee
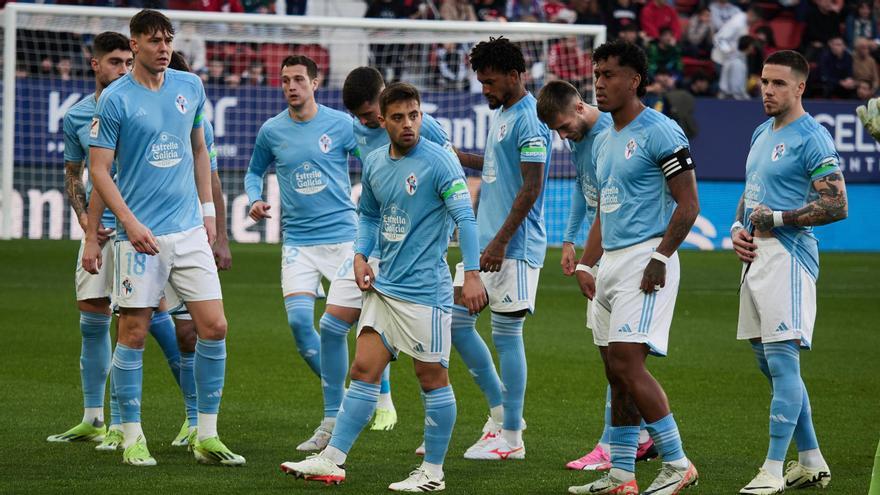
[
  {"x": 363, "y": 372},
  {"x": 186, "y": 335},
  {"x": 432, "y": 377},
  {"x": 214, "y": 329}
]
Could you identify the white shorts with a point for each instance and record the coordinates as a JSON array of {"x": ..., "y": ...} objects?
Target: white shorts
[
  {"x": 622, "y": 312},
  {"x": 184, "y": 261},
  {"x": 511, "y": 289},
  {"x": 777, "y": 301},
  {"x": 344, "y": 291},
  {"x": 303, "y": 266},
  {"x": 423, "y": 332},
  {"x": 176, "y": 307},
  {"x": 100, "y": 285}
]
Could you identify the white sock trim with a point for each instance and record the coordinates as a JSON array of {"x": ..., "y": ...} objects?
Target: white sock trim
[
  {"x": 773, "y": 467},
  {"x": 385, "y": 402},
  {"x": 90, "y": 414},
  {"x": 622, "y": 475},
  {"x": 435, "y": 470},
  {"x": 207, "y": 426},
  {"x": 335, "y": 455},
  {"x": 497, "y": 414},
  {"x": 513, "y": 437},
  {"x": 130, "y": 433},
  {"x": 811, "y": 458}
]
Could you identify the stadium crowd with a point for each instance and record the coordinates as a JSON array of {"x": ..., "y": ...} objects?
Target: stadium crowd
[{"x": 703, "y": 48}]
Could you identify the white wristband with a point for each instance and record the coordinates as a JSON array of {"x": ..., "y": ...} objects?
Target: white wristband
[
  {"x": 777, "y": 219},
  {"x": 736, "y": 225},
  {"x": 586, "y": 268},
  {"x": 659, "y": 257},
  {"x": 208, "y": 210}
]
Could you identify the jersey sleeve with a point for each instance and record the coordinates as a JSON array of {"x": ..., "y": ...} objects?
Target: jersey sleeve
[
  {"x": 73, "y": 151},
  {"x": 532, "y": 140},
  {"x": 820, "y": 158},
  {"x": 199, "y": 119},
  {"x": 433, "y": 131},
  {"x": 670, "y": 149},
  {"x": 368, "y": 214},
  {"x": 350, "y": 141},
  {"x": 107, "y": 122},
  {"x": 260, "y": 160},
  {"x": 451, "y": 185},
  {"x": 577, "y": 213},
  {"x": 209, "y": 142}
]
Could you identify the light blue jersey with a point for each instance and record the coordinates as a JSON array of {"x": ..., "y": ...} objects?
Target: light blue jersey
[
  {"x": 311, "y": 160},
  {"x": 410, "y": 202},
  {"x": 77, "y": 122},
  {"x": 585, "y": 197},
  {"x": 369, "y": 140},
  {"x": 780, "y": 171},
  {"x": 150, "y": 131},
  {"x": 634, "y": 200},
  {"x": 515, "y": 136},
  {"x": 209, "y": 142}
]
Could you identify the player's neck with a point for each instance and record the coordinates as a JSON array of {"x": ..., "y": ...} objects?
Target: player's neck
[
  {"x": 303, "y": 113},
  {"x": 99, "y": 88},
  {"x": 591, "y": 117},
  {"x": 795, "y": 113},
  {"x": 148, "y": 79},
  {"x": 627, "y": 113},
  {"x": 519, "y": 95},
  {"x": 398, "y": 152}
]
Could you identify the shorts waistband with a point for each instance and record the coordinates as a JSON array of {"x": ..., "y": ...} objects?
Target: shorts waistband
[{"x": 650, "y": 243}]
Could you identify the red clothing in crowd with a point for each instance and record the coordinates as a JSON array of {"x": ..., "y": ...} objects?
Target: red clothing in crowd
[
  {"x": 207, "y": 5},
  {"x": 656, "y": 17},
  {"x": 567, "y": 61}
]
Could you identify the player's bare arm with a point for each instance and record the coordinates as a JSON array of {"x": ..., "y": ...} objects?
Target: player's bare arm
[
  {"x": 202, "y": 161},
  {"x": 469, "y": 160},
  {"x": 568, "y": 256},
  {"x": 831, "y": 206},
  {"x": 592, "y": 253},
  {"x": 743, "y": 242},
  {"x": 493, "y": 255},
  {"x": 363, "y": 272},
  {"x": 141, "y": 238},
  {"x": 683, "y": 188},
  {"x": 92, "y": 255},
  {"x": 76, "y": 191},
  {"x": 222, "y": 254}
]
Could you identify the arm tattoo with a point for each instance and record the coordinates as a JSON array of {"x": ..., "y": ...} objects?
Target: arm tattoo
[
  {"x": 830, "y": 207},
  {"x": 740, "y": 209},
  {"x": 76, "y": 190},
  {"x": 684, "y": 191},
  {"x": 533, "y": 175}
]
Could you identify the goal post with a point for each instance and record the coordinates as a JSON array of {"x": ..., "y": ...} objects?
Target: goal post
[{"x": 45, "y": 71}]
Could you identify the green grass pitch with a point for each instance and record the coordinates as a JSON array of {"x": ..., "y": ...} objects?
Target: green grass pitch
[{"x": 272, "y": 401}]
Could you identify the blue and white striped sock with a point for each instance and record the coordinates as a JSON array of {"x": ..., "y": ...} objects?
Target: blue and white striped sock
[
  {"x": 128, "y": 378},
  {"x": 624, "y": 442},
  {"x": 783, "y": 359},
  {"x": 507, "y": 334},
  {"x": 665, "y": 434},
  {"x": 94, "y": 359},
  {"x": 357, "y": 409},
  {"x": 162, "y": 329},
  {"x": 475, "y": 354},
  {"x": 334, "y": 362},
  {"x": 188, "y": 386},
  {"x": 301, "y": 318},
  {"x": 440, "y": 412},
  {"x": 605, "y": 441}
]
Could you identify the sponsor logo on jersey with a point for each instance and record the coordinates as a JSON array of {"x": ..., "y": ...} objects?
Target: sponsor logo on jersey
[
  {"x": 412, "y": 183},
  {"x": 307, "y": 179},
  {"x": 754, "y": 193},
  {"x": 502, "y": 130},
  {"x": 395, "y": 223},
  {"x": 165, "y": 152},
  {"x": 489, "y": 173},
  {"x": 324, "y": 143},
  {"x": 591, "y": 193},
  {"x": 612, "y": 196},
  {"x": 778, "y": 151},
  {"x": 95, "y": 127},
  {"x": 630, "y": 149},
  {"x": 180, "y": 103},
  {"x": 127, "y": 287}
]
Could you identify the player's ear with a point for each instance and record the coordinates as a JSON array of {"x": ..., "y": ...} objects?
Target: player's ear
[
  {"x": 382, "y": 121},
  {"x": 94, "y": 64}
]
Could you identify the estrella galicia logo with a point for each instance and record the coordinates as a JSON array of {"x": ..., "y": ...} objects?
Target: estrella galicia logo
[
  {"x": 127, "y": 287},
  {"x": 307, "y": 179},
  {"x": 591, "y": 194},
  {"x": 778, "y": 151},
  {"x": 165, "y": 152},
  {"x": 181, "y": 104},
  {"x": 754, "y": 193},
  {"x": 395, "y": 223},
  {"x": 411, "y": 184},
  {"x": 324, "y": 143},
  {"x": 630, "y": 149},
  {"x": 612, "y": 196}
]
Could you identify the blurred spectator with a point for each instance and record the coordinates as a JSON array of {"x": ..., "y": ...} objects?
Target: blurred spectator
[
  {"x": 864, "y": 90},
  {"x": 622, "y": 13},
  {"x": 655, "y": 92},
  {"x": 735, "y": 72},
  {"x": 216, "y": 72},
  {"x": 255, "y": 75},
  {"x": 587, "y": 11},
  {"x": 658, "y": 14},
  {"x": 727, "y": 38},
  {"x": 822, "y": 23},
  {"x": 570, "y": 62},
  {"x": 664, "y": 53},
  {"x": 491, "y": 10},
  {"x": 207, "y": 5},
  {"x": 454, "y": 66},
  {"x": 192, "y": 45},
  {"x": 457, "y": 10},
  {"x": 766, "y": 41},
  {"x": 698, "y": 38},
  {"x": 701, "y": 85},
  {"x": 860, "y": 23},
  {"x": 146, "y": 4},
  {"x": 631, "y": 34},
  {"x": 524, "y": 11},
  {"x": 557, "y": 11},
  {"x": 721, "y": 12},
  {"x": 297, "y": 7},
  {"x": 63, "y": 69},
  {"x": 387, "y": 58},
  {"x": 836, "y": 70},
  {"x": 864, "y": 65},
  {"x": 258, "y": 6},
  {"x": 320, "y": 55}
]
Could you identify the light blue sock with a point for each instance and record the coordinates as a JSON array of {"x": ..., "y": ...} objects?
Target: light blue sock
[
  {"x": 128, "y": 378},
  {"x": 624, "y": 442},
  {"x": 385, "y": 384},
  {"x": 440, "y": 413},
  {"x": 475, "y": 354},
  {"x": 94, "y": 356},
  {"x": 804, "y": 434},
  {"x": 606, "y": 431},
  {"x": 783, "y": 359},
  {"x": 188, "y": 386},
  {"x": 301, "y": 318},
  {"x": 507, "y": 334},
  {"x": 358, "y": 407},
  {"x": 210, "y": 373},
  {"x": 162, "y": 329},
  {"x": 758, "y": 349},
  {"x": 667, "y": 439},
  {"x": 115, "y": 417},
  {"x": 334, "y": 362}
]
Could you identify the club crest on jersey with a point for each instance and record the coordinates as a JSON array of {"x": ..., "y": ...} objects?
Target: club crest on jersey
[
  {"x": 324, "y": 143},
  {"x": 127, "y": 288},
  {"x": 630, "y": 149},
  {"x": 94, "y": 127},
  {"x": 502, "y": 131},
  {"x": 412, "y": 182},
  {"x": 181, "y": 103},
  {"x": 778, "y": 151}
]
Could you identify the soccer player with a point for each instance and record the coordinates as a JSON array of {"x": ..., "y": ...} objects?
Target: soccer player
[
  {"x": 793, "y": 182},
  {"x": 647, "y": 205},
  {"x": 513, "y": 240},
  {"x": 151, "y": 121},
  {"x": 310, "y": 145},
  {"x": 561, "y": 107},
  {"x": 412, "y": 190}
]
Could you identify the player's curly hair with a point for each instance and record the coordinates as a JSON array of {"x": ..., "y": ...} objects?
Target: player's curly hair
[
  {"x": 150, "y": 21},
  {"x": 498, "y": 54},
  {"x": 362, "y": 85},
  {"x": 107, "y": 42},
  {"x": 627, "y": 55}
]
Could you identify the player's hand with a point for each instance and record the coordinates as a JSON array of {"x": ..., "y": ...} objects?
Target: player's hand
[
  {"x": 222, "y": 254},
  {"x": 260, "y": 210},
  {"x": 587, "y": 283},
  {"x": 103, "y": 235},
  {"x": 210, "y": 229},
  {"x": 762, "y": 218},
  {"x": 473, "y": 293},
  {"x": 870, "y": 116},
  {"x": 142, "y": 238},
  {"x": 363, "y": 273},
  {"x": 743, "y": 245},
  {"x": 493, "y": 256},
  {"x": 568, "y": 262},
  {"x": 92, "y": 260},
  {"x": 654, "y": 277}
]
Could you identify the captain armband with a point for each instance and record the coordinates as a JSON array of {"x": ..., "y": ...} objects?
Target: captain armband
[{"x": 677, "y": 163}]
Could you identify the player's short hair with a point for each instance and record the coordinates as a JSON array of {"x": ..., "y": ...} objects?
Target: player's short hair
[
  {"x": 497, "y": 54},
  {"x": 362, "y": 85},
  {"x": 628, "y": 55},
  {"x": 109, "y": 41},
  {"x": 791, "y": 59},
  {"x": 178, "y": 62},
  {"x": 396, "y": 92},
  {"x": 554, "y": 98},
  {"x": 309, "y": 64},
  {"x": 150, "y": 21}
]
